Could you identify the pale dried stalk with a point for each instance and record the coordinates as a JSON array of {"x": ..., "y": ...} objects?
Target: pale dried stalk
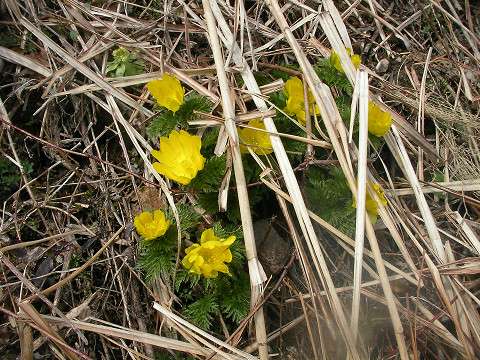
[
  {"x": 26, "y": 340},
  {"x": 254, "y": 270},
  {"x": 459, "y": 186},
  {"x": 37, "y": 319},
  {"x": 203, "y": 336},
  {"x": 22, "y": 60},
  {"x": 293, "y": 188},
  {"x": 135, "y": 335},
  {"x": 397, "y": 147},
  {"x": 468, "y": 232},
  {"x": 81, "y": 67},
  {"x": 421, "y": 115},
  {"x": 331, "y": 117},
  {"x": 330, "y": 27},
  {"x": 360, "y": 199},
  {"x": 341, "y": 236}
]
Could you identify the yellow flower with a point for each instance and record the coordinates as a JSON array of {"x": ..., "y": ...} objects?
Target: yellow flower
[
  {"x": 335, "y": 60},
  {"x": 371, "y": 204},
  {"x": 167, "y": 91},
  {"x": 296, "y": 101},
  {"x": 379, "y": 121},
  {"x": 258, "y": 140},
  {"x": 179, "y": 156},
  {"x": 151, "y": 225},
  {"x": 209, "y": 257}
]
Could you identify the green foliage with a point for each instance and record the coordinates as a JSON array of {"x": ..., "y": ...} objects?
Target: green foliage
[
  {"x": 166, "y": 121},
  {"x": 124, "y": 63},
  {"x": 279, "y": 99},
  {"x": 158, "y": 256},
  {"x": 262, "y": 78},
  {"x": 234, "y": 297},
  {"x": 209, "y": 140},
  {"x": 189, "y": 218},
  {"x": 331, "y": 198},
  {"x": 211, "y": 176},
  {"x": 201, "y": 311},
  {"x": 344, "y": 107},
  {"x": 163, "y": 124},
  {"x": 183, "y": 277},
  {"x": 209, "y": 202},
  {"x": 332, "y": 77},
  {"x": 227, "y": 295},
  {"x": 192, "y": 103}
]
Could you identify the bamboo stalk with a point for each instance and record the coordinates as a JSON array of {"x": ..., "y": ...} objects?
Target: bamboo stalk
[{"x": 246, "y": 218}]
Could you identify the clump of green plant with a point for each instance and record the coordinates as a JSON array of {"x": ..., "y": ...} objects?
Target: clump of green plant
[
  {"x": 124, "y": 63},
  {"x": 208, "y": 268},
  {"x": 204, "y": 294}
]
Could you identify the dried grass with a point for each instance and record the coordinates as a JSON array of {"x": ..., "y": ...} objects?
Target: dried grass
[{"x": 418, "y": 272}]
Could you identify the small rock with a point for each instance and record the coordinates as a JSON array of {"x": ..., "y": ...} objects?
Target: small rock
[
  {"x": 382, "y": 66},
  {"x": 273, "y": 250}
]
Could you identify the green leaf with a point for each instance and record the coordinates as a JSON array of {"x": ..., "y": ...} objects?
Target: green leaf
[
  {"x": 162, "y": 125},
  {"x": 192, "y": 103},
  {"x": 330, "y": 197},
  {"x": 201, "y": 311},
  {"x": 134, "y": 68},
  {"x": 189, "y": 218},
  {"x": 183, "y": 277},
  {"x": 158, "y": 256},
  {"x": 233, "y": 295},
  {"x": 209, "y": 202},
  {"x": 332, "y": 77},
  {"x": 211, "y": 176}
]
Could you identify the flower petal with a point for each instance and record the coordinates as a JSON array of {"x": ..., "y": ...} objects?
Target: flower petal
[{"x": 167, "y": 91}]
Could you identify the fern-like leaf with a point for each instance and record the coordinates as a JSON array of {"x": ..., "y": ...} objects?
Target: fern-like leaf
[
  {"x": 189, "y": 218},
  {"x": 210, "y": 177},
  {"x": 234, "y": 297},
  {"x": 158, "y": 256},
  {"x": 330, "y": 196},
  {"x": 332, "y": 77},
  {"x": 201, "y": 311}
]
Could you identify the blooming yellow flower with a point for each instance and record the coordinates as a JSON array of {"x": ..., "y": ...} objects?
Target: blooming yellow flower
[
  {"x": 151, "y": 225},
  {"x": 209, "y": 257},
  {"x": 335, "y": 60},
  {"x": 258, "y": 140},
  {"x": 167, "y": 91},
  {"x": 371, "y": 204},
  {"x": 179, "y": 156},
  {"x": 379, "y": 121},
  {"x": 296, "y": 101}
]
